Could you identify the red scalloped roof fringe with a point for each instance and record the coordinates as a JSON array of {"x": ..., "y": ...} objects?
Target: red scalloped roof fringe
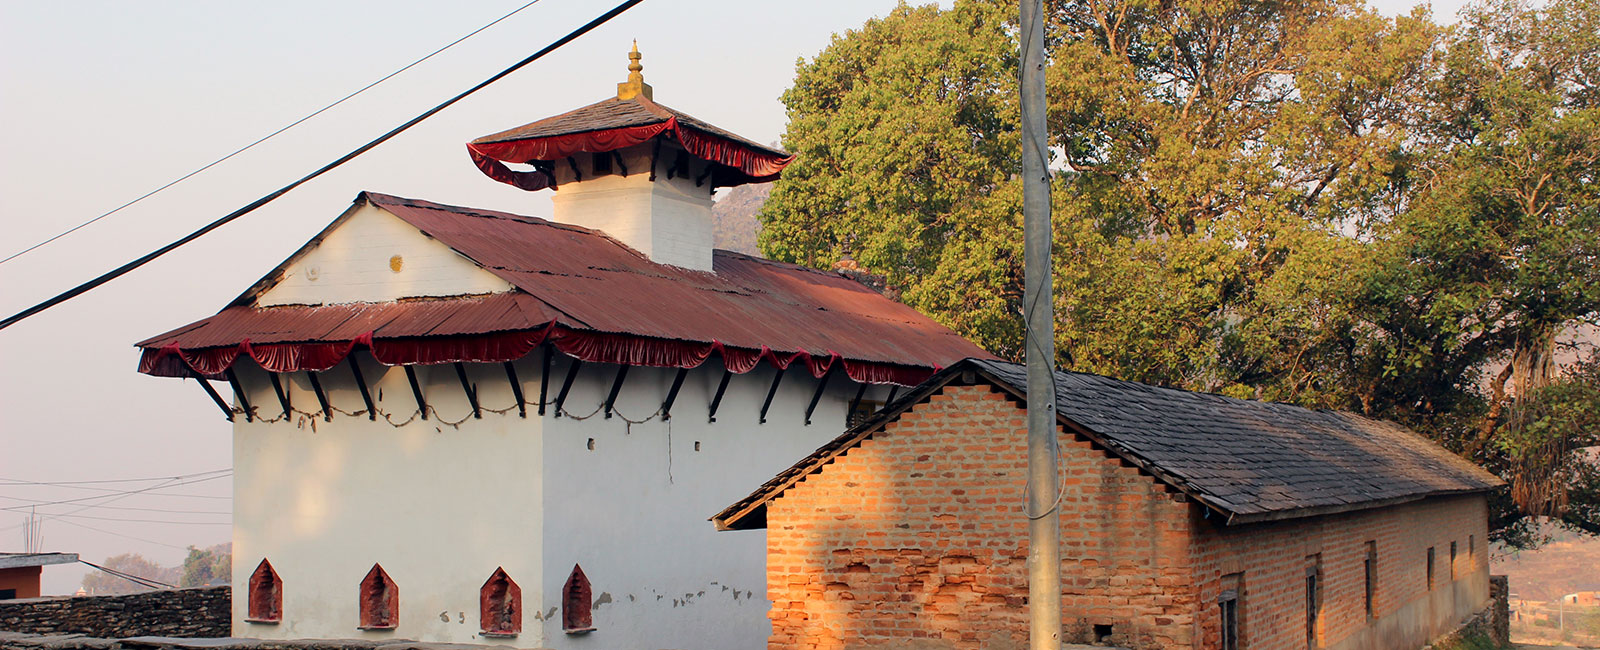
[{"x": 173, "y": 360}]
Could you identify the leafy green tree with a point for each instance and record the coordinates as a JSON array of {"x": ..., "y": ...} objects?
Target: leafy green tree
[
  {"x": 1301, "y": 201},
  {"x": 208, "y": 566},
  {"x": 907, "y": 135}
]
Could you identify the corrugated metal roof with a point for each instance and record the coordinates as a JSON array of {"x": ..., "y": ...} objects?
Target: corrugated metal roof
[
  {"x": 1252, "y": 460},
  {"x": 583, "y": 279},
  {"x": 502, "y": 312}
]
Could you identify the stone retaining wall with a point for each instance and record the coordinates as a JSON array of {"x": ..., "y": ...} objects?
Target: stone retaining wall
[
  {"x": 15, "y": 641},
  {"x": 1493, "y": 622},
  {"x": 201, "y": 612}
]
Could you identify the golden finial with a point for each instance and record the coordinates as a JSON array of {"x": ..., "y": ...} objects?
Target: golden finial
[{"x": 635, "y": 84}]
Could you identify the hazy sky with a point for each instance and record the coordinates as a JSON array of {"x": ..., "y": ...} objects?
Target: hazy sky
[{"x": 103, "y": 101}]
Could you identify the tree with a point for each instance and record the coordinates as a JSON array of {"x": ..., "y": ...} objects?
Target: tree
[
  {"x": 906, "y": 131},
  {"x": 1305, "y": 201},
  {"x": 100, "y": 583},
  {"x": 209, "y": 566}
]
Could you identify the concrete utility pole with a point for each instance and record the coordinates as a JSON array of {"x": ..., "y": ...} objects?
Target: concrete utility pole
[{"x": 1044, "y": 528}]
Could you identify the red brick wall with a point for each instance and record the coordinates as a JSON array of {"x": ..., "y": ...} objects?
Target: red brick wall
[
  {"x": 919, "y": 535},
  {"x": 1406, "y": 613}
]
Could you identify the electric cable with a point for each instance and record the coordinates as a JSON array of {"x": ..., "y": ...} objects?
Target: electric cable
[
  {"x": 17, "y": 481},
  {"x": 111, "y": 496},
  {"x": 269, "y": 136},
  {"x": 147, "y": 521},
  {"x": 148, "y": 582},
  {"x": 137, "y": 539},
  {"x": 134, "y": 509},
  {"x": 145, "y": 259}
]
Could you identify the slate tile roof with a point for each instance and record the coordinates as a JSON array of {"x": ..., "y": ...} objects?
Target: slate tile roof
[{"x": 1249, "y": 460}]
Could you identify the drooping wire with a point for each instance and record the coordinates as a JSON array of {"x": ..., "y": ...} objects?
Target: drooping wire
[
  {"x": 125, "y": 268},
  {"x": 142, "y": 581},
  {"x": 269, "y": 136},
  {"x": 17, "y": 481},
  {"x": 116, "y": 496}
]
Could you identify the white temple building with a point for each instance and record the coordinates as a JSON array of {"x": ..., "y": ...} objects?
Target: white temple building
[{"x": 461, "y": 425}]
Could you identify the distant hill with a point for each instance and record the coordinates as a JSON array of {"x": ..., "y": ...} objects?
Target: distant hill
[
  {"x": 1565, "y": 565},
  {"x": 733, "y": 218}
]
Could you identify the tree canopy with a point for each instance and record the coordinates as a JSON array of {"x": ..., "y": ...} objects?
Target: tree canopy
[{"x": 1299, "y": 201}]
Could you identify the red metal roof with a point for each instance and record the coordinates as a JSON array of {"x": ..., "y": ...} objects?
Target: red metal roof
[
  {"x": 613, "y": 113},
  {"x": 614, "y": 124},
  {"x": 584, "y": 281}
]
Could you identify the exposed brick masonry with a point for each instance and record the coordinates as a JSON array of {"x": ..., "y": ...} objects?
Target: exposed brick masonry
[{"x": 918, "y": 533}]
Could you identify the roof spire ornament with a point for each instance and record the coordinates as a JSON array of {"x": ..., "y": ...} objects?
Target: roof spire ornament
[{"x": 635, "y": 84}]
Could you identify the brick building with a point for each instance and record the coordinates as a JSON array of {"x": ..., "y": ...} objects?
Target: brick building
[{"x": 1187, "y": 520}]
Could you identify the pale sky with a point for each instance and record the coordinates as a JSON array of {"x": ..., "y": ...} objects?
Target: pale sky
[{"x": 103, "y": 101}]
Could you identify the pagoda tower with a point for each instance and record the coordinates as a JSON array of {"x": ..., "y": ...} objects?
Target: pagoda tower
[{"x": 639, "y": 171}]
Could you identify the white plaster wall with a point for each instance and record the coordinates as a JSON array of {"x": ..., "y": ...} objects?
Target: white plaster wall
[
  {"x": 669, "y": 220},
  {"x": 439, "y": 507},
  {"x": 633, "y": 511},
  {"x": 353, "y": 264}
]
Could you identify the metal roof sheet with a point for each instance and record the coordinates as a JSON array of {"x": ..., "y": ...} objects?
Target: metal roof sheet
[
  {"x": 613, "y": 113},
  {"x": 583, "y": 279}
]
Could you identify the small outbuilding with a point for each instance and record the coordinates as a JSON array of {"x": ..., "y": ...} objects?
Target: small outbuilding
[
  {"x": 1188, "y": 520},
  {"x": 20, "y": 572}
]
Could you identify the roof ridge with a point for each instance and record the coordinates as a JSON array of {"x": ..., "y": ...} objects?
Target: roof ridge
[
  {"x": 1182, "y": 391},
  {"x": 499, "y": 136}
]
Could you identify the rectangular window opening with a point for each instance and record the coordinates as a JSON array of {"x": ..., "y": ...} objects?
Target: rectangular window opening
[
  {"x": 1313, "y": 598},
  {"x": 1228, "y": 610},
  {"x": 1452, "y": 560},
  {"x": 1430, "y": 568},
  {"x": 1371, "y": 571},
  {"x": 1102, "y": 633}
]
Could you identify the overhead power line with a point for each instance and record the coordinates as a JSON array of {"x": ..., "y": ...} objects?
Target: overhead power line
[
  {"x": 125, "y": 268},
  {"x": 112, "y": 496},
  {"x": 146, "y": 521},
  {"x": 17, "y": 481},
  {"x": 147, "y": 582},
  {"x": 107, "y": 532},
  {"x": 268, "y": 136},
  {"x": 134, "y": 509}
]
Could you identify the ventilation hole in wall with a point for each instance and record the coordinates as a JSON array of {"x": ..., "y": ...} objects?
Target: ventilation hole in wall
[
  {"x": 591, "y": 444},
  {"x": 396, "y": 263},
  {"x": 697, "y": 445},
  {"x": 1102, "y": 633}
]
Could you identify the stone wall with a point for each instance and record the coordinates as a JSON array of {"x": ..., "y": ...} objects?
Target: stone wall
[
  {"x": 16, "y": 641},
  {"x": 1493, "y": 623},
  {"x": 202, "y": 612},
  {"x": 1500, "y": 609}
]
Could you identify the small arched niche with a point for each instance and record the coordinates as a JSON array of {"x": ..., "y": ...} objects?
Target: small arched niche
[
  {"x": 500, "y": 605},
  {"x": 379, "y": 601},
  {"x": 265, "y": 598},
  {"x": 576, "y": 616}
]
